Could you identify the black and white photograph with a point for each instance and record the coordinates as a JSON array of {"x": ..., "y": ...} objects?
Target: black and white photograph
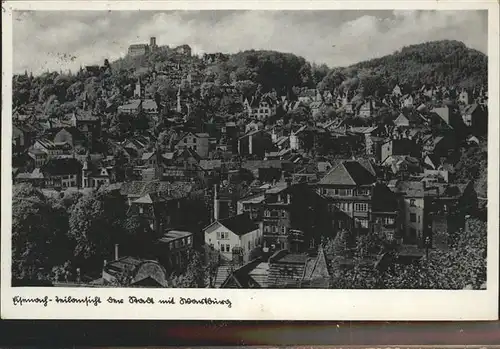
[{"x": 249, "y": 149}]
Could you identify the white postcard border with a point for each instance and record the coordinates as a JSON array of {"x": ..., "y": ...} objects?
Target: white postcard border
[{"x": 304, "y": 304}]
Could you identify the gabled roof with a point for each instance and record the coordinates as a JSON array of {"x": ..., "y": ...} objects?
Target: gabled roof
[
  {"x": 240, "y": 224},
  {"x": 348, "y": 173}
]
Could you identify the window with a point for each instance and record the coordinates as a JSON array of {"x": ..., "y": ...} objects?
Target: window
[
  {"x": 363, "y": 223},
  {"x": 388, "y": 220},
  {"x": 283, "y": 214},
  {"x": 222, "y": 248},
  {"x": 311, "y": 243},
  {"x": 189, "y": 240},
  {"x": 361, "y": 207},
  {"x": 141, "y": 209},
  {"x": 275, "y": 229},
  {"x": 418, "y": 219},
  {"x": 267, "y": 229},
  {"x": 283, "y": 230},
  {"x": 194, "y": 140},
  {"x": 412, "y": 202},
  {"x": 185, "y": 140},
  {"x": 267, "y": 213},
  {"x": 228, "y": 248},
  {"x": 413, "y": 217},
  {"x": 249, "y": 245}
]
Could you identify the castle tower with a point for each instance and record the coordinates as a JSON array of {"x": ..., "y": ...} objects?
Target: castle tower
[{"x": 152, "y": 43}]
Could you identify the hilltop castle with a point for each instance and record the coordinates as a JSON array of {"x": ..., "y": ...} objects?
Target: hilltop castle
[{"x": 142, "y": 49}]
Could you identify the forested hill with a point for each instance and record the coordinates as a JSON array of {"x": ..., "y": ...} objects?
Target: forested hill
[
  {"x": 446, "y": 62},
  {"x": 438, "y": 63}
]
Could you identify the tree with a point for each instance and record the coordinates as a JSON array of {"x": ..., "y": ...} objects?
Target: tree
[
  {"x": 95, "y": 224},
  {"x": 196, "y": 274},
  {"x": 38, "y": 232}
]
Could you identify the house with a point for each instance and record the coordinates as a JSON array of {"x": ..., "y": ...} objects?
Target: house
[
  {"x": 399, "y": 147},
  {"x": 396, "y": 91},
  {"x": 163, "y": 204},
  {"x": 366, "y": 109},
  {"x": 69, "y": 135},
  {"x": 463, "y": 97},
  {"x": 413, "y": 202},
  {"x": 172, "y": 249},
  {"x": 402, "y": 165},
  {"x": 256, "y": 142},
  {"x": 50, "y": 148},
  {"x": 261, "y": 108},
  {"x": 349, "y": 185},
  {"x": 370, "y": 136},
  {"x": 149, "y": 106},
  {"x": 294, "y": 217},
  {"x": 93, "y": 175},
  {"x": 39, "y": 156},
  {"x": 446, "y": 206},
  {"x": 136, "y": 146},
  {"x": 407, "y": 101},
  {"x": 282, "y": 269},
  {"x": 450, "y": 115},
  {"x": 88, "y": 124},
  {"x": 475, "y": 117},
  {"x": 199, "y": 142},
  {"x": 62, "y": 173},
  {"x": 439, "y": 146},
  {"x": 234, "y": 237},
  {"x": 23, "y": 137},
  {"x": 133, "y": 107},
  {"x": 410, "y": 120},
  {"x": 133, "y": 272}
]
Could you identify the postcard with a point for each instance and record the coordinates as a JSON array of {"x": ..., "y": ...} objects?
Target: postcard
[{"x": 281, "y": 160}]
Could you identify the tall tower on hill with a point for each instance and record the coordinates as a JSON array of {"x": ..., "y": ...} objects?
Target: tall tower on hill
[{"x": 152, "y": 44}]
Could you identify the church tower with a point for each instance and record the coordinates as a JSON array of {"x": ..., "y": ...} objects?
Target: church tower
[{"x": 179, "y": 107}]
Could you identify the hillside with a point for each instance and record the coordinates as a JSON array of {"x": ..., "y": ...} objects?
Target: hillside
[{"x": 444, "y": 62}]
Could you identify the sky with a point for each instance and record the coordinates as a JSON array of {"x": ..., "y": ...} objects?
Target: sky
[{"x": 56, "y": 40}]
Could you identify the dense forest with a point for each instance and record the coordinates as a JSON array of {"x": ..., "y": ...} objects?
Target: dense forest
[{"x": 445, "y": 63}]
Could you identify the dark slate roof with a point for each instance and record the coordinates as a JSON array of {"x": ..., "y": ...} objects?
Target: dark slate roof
[
  {"x": 383, "y": 199},
  {"x": 62, "y": 166},
  {"x": 239, "y": 224},
  {"x": 348, "y": 173}
]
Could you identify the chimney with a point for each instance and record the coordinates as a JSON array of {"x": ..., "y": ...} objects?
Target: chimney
[
  {"x": 216, "y": 203},
  {"x": 116, "y": 252}
]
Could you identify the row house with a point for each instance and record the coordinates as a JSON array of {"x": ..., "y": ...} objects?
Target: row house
[
  {"x": 62, "y": 173},
  {"x": 173, "y": 249},
  {"x": 294, "y": 217},
  {"x": 199, "y": 142},
  {"x": 256, "y": 143},
  {"x": 23, "y": 137},
  {"x": 401, "y": 146},
  {"x": 446, "y": 206},
  {"x": 69, "y": 135},
  {"x": 52, "y": 149},
  {"x": 164, "y": 205},
  {"x": 367, "y": 206},
  {"x": 475, "y": 117},
  {"x": 88, "y": 124},
  {"x": 412, "y": 193}
]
